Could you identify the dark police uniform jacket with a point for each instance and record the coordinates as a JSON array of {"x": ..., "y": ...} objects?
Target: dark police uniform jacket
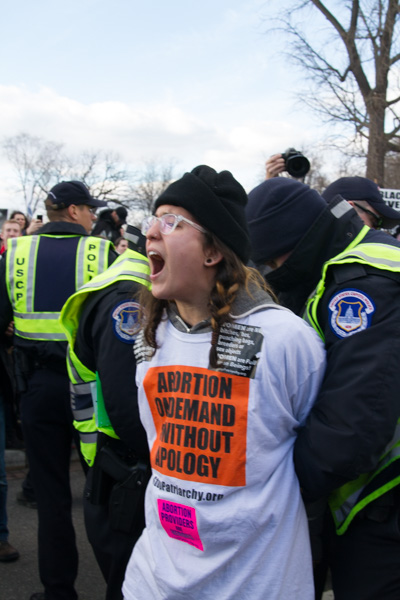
[{"x": 356, "y": 411}]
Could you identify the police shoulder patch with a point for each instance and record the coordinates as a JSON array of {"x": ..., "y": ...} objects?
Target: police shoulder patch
[
  {"x": 350, "y": 311},
  {"x": 125, "y": 316}
]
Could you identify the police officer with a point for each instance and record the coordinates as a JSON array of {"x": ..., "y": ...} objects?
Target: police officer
[
  {"x": 345, "y": 278},
  {"x": 366, "y": 199},
  {"x": 40, "y": 272},
  {"x": 101, "y": 322}
]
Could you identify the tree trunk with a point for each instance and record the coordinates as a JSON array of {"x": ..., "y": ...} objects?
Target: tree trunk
[{"x": 376, "y": 142}]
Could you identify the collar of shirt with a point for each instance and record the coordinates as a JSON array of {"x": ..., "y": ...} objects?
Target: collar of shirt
[{"x": 62, "y": 227}]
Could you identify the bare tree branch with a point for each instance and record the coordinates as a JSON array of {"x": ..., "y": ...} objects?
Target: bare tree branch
[
  {"x": 348, "y": 74},
  {"x": 152, "y": 181},
  {"x": 39, "y": 164}
]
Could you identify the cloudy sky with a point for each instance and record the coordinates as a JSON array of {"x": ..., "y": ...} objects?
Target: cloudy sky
[{"x": 190, "y": 82}]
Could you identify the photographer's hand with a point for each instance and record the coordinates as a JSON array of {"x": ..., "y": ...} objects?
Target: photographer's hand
[{"x": 274, "y": 165}]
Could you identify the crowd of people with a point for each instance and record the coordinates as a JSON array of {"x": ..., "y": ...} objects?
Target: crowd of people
[{"x": 229, "y": 375}]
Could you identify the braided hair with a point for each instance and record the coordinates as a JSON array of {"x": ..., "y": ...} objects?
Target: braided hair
[{"x": 232, "y": 276}]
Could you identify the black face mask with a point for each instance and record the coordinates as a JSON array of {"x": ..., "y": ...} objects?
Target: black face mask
[
  {"x": 298, "y": 276},
  {"x": 292, "y": 290}
]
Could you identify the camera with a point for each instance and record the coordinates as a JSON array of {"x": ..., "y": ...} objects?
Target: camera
[{"x": 296, "y": 164}]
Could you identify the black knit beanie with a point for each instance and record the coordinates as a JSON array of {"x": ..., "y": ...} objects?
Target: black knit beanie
[
  {"x": 279, "y": 213},
  {"x": 218, "y": 203}
]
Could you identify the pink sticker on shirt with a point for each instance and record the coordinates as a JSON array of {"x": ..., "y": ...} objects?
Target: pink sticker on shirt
[{"x": 179, "y": 522}]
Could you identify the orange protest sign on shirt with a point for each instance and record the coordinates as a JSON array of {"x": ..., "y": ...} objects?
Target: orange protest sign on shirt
[{"x": 200, "y": 418}]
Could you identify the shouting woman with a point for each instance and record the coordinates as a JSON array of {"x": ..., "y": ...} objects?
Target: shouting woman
[{"x": 225, "y": 377}]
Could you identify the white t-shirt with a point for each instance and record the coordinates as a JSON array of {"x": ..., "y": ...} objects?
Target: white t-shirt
[{"x": 224, "y": 516}]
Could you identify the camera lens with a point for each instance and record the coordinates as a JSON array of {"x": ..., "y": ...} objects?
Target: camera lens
[{"x": 297, "y": 165}]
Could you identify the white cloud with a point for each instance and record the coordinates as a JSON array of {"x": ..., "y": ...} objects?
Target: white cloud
[{"x": 141, "y": 131}]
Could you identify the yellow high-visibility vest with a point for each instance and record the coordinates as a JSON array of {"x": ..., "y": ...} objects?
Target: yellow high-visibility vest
[
  {"x": 21, "y": 264},
  {"x": 86, "y": 393}
]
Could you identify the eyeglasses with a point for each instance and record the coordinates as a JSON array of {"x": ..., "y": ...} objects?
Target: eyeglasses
[
  {"x": 377, "y": 219},
  {"x": 167, "y": 223}
]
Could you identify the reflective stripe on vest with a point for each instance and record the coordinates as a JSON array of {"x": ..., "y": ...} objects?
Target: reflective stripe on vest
[
  {"x": 81, "y": 393},
  {"x": 91, "y": 258},
  {"x": 129, "y": 266},
  {"x": 84, "y": 401},
  {"x": 344, "y": 502},
  {"x": 349, "y": 499}
]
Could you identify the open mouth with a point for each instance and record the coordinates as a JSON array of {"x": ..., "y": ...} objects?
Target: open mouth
[{"x": 156, "y": 262}]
